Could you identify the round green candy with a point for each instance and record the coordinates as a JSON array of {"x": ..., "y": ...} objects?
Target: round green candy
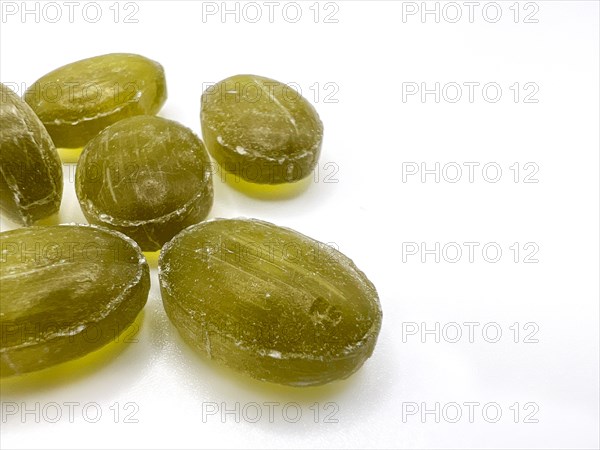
[{"x": 147, "y": 177}]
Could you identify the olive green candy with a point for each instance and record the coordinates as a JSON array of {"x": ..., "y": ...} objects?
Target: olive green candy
[
  {"x": 147, "y": 177},
  {"x": 261, "y": 130},
  {"x": 66, "y": 291},
  {"x": 31, "y": 178},
  {"x": 269, "y": 302},
  {"x": 77, "y": 101}
]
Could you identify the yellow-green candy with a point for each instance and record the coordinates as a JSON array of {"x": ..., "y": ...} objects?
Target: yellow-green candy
[
  {"x": 147, "y": 177},
  {"x": 77, "y": 101},
  {"x": 261, "y": 130},
  {"x": 65, "y": 291},
  {"x": 31, "y": 178},
  {"x": 269, "y": 302}
]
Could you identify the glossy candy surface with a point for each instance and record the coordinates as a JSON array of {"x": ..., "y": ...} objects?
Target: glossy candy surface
[
  {"x": 77, "y": 101},
  {"x": 31, "y": 177},
  {"x": 269, "y": 302},
  {"x": 147, "y": 177},
  {"x": 65, "y": 291},
  {"x": 261, "y": 130}
]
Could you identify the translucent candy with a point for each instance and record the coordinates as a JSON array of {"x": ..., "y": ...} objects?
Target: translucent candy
[
  {"x": 65, "y": 291},
  {"x": 147, "y": 177},
  {"x": 77, "y": 101},
  {"x": 31, "y": 178},
  {"x": 261, "y": 130},
  {"x": 269, "y": 302}
]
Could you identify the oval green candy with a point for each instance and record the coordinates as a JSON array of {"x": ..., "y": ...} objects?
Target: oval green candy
[
  {"x": 261, "y": 130},
  {"x": 65, "y": 291},
  {"x": 269, "y": 302},
  {"x": 31, "y": 178},
  {"x": 77, "y": 101}
]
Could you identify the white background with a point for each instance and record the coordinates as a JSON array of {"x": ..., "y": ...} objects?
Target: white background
[{"x": 369, "y": 213}]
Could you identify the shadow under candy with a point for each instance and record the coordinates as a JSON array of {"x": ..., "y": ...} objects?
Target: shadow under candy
[
  {"x": 74, "y": 370},
  {"x": 69, "y": 155},
  {"x": 283, "y": 191}
]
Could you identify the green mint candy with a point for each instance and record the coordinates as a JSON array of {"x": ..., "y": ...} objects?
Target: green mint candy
[
  {"x": 147, "y": 177},
  {"x": 261, "y": 130},
  {"x": 65, "y": 291},
  {"x": 77, "y": 101},
  {"x": 269, "y": 302},
  {"x": 31, "y": 178}
]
